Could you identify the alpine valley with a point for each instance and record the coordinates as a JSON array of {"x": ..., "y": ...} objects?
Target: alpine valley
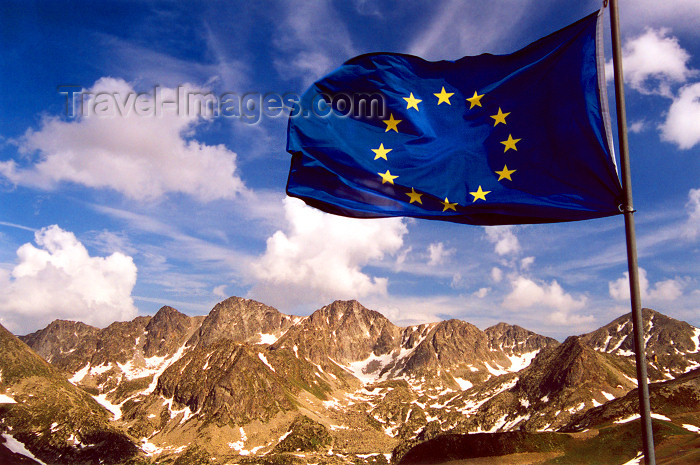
[{"x": 247, "y": 384}]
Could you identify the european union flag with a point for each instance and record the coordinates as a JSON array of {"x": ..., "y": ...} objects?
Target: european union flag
[{"x": 488, "y": 139}]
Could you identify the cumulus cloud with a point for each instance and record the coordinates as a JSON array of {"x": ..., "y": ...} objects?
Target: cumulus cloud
[
  {"x": 666, "y": 291},
  {"x": 527, "y": 293},
  {"x": 503, "y": 238},
  {"x": 682, "y": 124},
  {"x": 653, "y": 62},
  {"x": 58, "y": 278},
  {"x": 117, "y": 144},
  {"x": 438, "y": 253},
  {"x": 320, "y": 257}
]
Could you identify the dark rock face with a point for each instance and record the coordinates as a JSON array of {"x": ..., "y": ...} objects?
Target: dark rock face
[
  {"x": 305, "y": 435},
  {"x": 167, "y": 331},
  {"x": 240, "y": 320}
]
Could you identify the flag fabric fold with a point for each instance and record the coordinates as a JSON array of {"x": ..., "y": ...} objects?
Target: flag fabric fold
[{"x": 485, "y": 140}]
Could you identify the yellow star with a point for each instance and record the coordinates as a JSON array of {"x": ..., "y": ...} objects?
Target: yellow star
[
  {"x": 505, "y": 174},
  {"x": 479, "y": 194},
  {"x": 510, "y": 143},
  {"x": 412, "y": 102},
  {"x": 500, "y": 117},
  {"x": 475, "y": 100},
  {"x": 381, "y": 152},
  {"x": 415, "y": 196},
  {"x": 448, "y": 206},
  {"x": 392, "y": 123},
  {"x": 387, "y": 177},
  {"x": 444, "y": 96}
]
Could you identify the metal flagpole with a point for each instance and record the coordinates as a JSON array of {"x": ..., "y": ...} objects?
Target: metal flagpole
[{"x": 628, "y": 210}]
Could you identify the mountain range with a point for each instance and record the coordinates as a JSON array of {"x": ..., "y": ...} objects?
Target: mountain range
[{"x": 249, "y": 384}]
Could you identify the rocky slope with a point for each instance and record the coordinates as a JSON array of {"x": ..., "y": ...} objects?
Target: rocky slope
[
  {"x": 58, "y": 422},
  {"x": 247, "y": 381}
]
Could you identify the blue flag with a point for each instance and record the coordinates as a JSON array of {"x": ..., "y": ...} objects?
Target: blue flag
[{"x": 485, "y": 140}]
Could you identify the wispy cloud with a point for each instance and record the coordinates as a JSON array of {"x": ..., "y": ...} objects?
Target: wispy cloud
[{"x": 312, "y": 40}]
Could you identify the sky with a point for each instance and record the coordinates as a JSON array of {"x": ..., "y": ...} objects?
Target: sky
[{"x": 132, "y": 204}]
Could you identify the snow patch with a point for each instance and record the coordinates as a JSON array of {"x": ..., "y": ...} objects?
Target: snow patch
[
  {"x": 149, "y": 448},
  {"x": 495, "y": 371},
  {"x": 696, "y": 339},
  {"x": 628, "y": 419},
  {"x": 18, "y": 448},
  {"x": 80, "y": 374},
  {"x": 463, "y": 383},
  {"x": 519, "y": 362},
  {"x": 5, "y": 399},
  {"x": 264, "y": 360},
  {"x": 658, "y": 416},
  {"x": 115, "y": 409},
  {"x": 159, "y": 371},
  {"x": 607, "y": 395},
  {"x": 692, "y": 428},
  {"x": 358, "y": 369},
  {"x": 267, "y": 338},
  {"x": 635, "y": 461}
]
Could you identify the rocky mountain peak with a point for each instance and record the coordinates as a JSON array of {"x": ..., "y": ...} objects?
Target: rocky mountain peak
[
  {"x": 515, "y": 340},
  {"x": 345, "y": 331},
  {"x": 61, "y": 338},
  {"x": 672, "y": 346},
  {"x": 167, "y": 330},
  {"x": 241, "y": 320}
]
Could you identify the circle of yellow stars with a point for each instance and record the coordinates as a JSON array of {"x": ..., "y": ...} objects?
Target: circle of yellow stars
[{"x": 412, "y": 103}]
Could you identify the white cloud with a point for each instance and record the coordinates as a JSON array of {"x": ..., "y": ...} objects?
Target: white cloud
[
  {"x": 438, "y": 253},
  {"x": 653, "y": 62},
  {"x": 681, "y": 15},
  {"x": 527, "y": 262},
  {"x": 692, "y": 226},
  {"x": 482, "y": 292},
  {"x": 527, "y": 293},
  {"x": 220, "y": 291},
  {"x": 59, "y": 279},
  {"x": 637, "y": 127},
  {"x": 135, "y": 152},
  {"x": 666, "y": 291},
  {"x": 320, "y": 257},
  {"x": 682, "y": 124},
  {"x": 505, "y": 241},
  {"x": 496, "y": 274}
]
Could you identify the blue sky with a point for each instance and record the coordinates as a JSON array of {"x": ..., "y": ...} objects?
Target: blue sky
[{"x": 105, "y": 218}]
